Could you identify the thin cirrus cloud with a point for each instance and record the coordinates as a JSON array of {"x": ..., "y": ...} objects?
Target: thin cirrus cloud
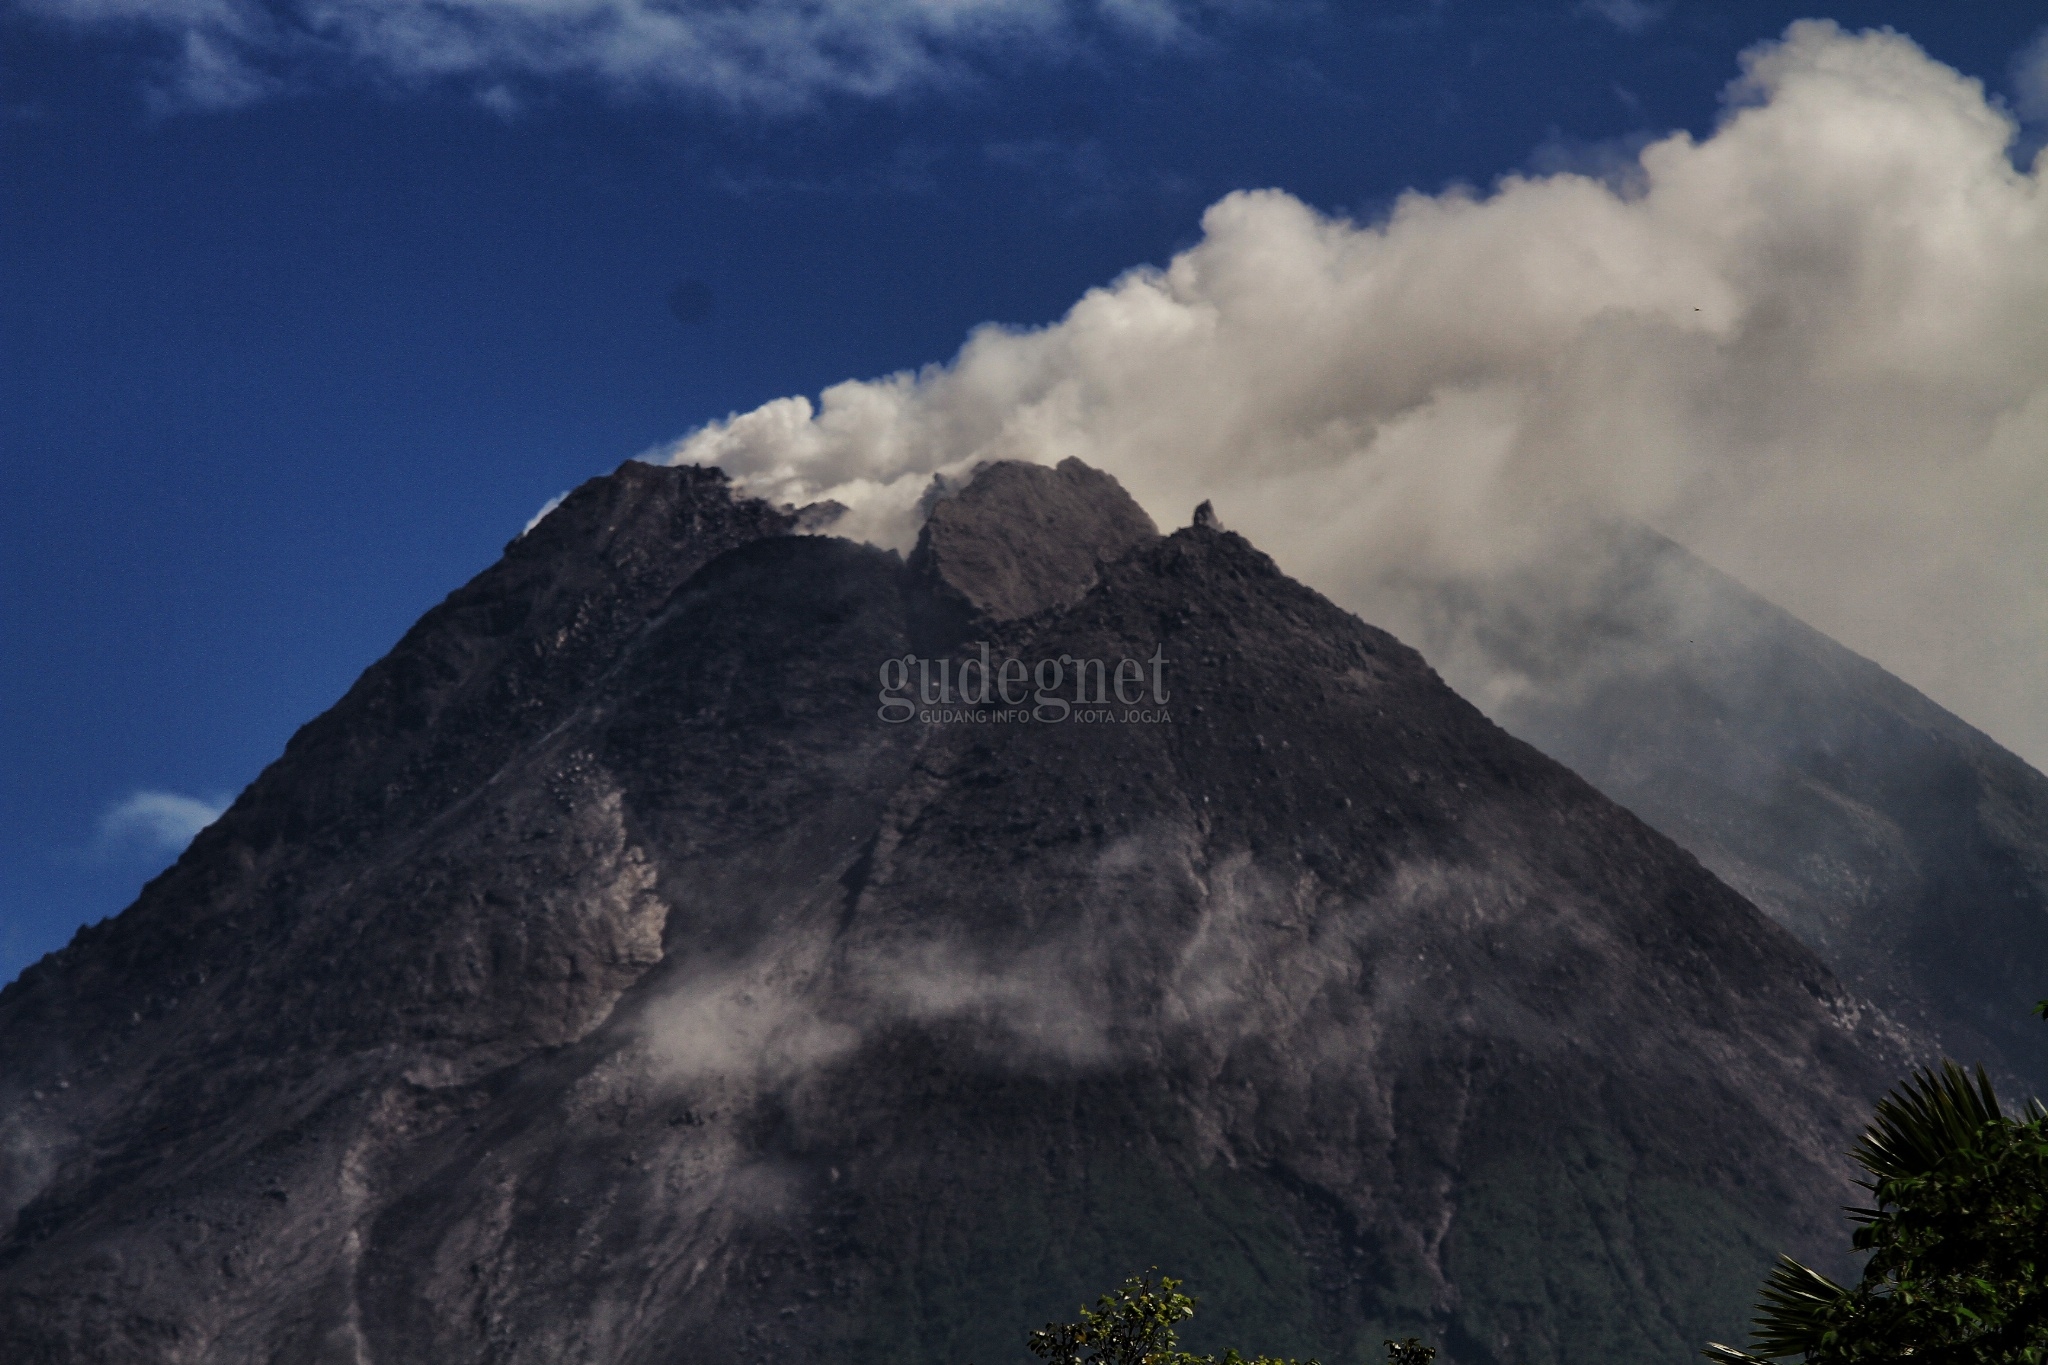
[
  {"x": 1812, "y": 346},
  {"x": 761, "y": 55},
  {"x": 2030, "y": 79},
  {"x": 1630, "y": 16},
  {"x": 155, "y": 822}
]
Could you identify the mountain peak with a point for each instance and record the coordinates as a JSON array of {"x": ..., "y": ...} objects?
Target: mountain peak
[{"x": 1019, "y": 538}]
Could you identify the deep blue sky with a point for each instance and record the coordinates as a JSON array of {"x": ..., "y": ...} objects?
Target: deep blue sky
[{"x": 279, "y": 376}]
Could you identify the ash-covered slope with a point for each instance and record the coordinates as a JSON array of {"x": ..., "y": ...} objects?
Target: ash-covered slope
[
  {"x": 1902, "y": 845},
  {"x": 605, "y": 980}
]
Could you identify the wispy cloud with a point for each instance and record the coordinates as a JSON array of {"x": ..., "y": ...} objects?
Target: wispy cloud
[
  {"x": 761, "y": 55},
  {"x": 542, "y": 515},
  {"x": 2030, "y": 80},
  {"x": 155, "y": 822},
  {"x": 1630, "y": 16}
]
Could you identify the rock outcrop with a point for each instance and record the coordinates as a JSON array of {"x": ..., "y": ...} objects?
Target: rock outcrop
[{"x": 1019, "y": 538}]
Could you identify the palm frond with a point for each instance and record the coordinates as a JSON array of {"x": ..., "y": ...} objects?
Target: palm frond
[
  {"x": 1795, "y": 1311},
  {"x": 1925, "y": 1121},
  {"x": 1728, "y": 1355}
]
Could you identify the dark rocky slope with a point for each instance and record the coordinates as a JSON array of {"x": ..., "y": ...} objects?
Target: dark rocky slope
[
  {"x": 602, "y": 980},
  {"x": 1902, "y": 845}
]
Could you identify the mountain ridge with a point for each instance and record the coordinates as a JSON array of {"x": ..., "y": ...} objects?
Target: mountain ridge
[{"x": 1903, "y": 845}]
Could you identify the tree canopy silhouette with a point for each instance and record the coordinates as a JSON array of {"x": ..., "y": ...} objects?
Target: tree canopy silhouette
[{"x": 1957, "y": 1235}]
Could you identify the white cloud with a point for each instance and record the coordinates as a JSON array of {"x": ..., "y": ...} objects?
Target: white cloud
[
  {"x": 772, "y": 55},
  {"x": 156, "y": 822},
  {"x": 1813, "y": 346}
]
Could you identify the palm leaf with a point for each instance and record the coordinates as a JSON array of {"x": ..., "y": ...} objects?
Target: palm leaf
[
  {"x": 1728, "y": 1355},
  {"x": 1925, "y": 1121},
  {"x": 1793, "y": 1316},
  {"x": 1794, "y": 1312}
]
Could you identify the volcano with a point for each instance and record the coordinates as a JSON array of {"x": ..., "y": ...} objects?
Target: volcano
[
  {"x": 1908, "y": 849},
  {"x": 702, "y": 938}
]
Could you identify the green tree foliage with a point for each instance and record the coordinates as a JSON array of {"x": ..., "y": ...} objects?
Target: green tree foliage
[
  {"x": 1134, "y": 1325},
  {"x": 1958, "y": 1242}
]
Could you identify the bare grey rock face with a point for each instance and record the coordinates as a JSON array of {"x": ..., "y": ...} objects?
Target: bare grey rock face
[
  {"x": 1021, "y": 538},
  {"x": 606, "y": 979}
]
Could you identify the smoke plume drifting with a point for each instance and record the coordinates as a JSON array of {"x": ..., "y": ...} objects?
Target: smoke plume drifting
[{"x": 1813, "y": 347}]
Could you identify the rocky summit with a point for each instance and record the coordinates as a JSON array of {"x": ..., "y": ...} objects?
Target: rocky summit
[{"x": 700, "y": 939}]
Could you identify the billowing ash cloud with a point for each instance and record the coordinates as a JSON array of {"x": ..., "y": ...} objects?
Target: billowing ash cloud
[
  {"x": 1812, "y": 347},
  {"x": 768, "y": 55}
]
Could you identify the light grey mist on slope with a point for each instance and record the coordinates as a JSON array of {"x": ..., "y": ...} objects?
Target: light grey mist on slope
[{"x": 1902, "y": 845}]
